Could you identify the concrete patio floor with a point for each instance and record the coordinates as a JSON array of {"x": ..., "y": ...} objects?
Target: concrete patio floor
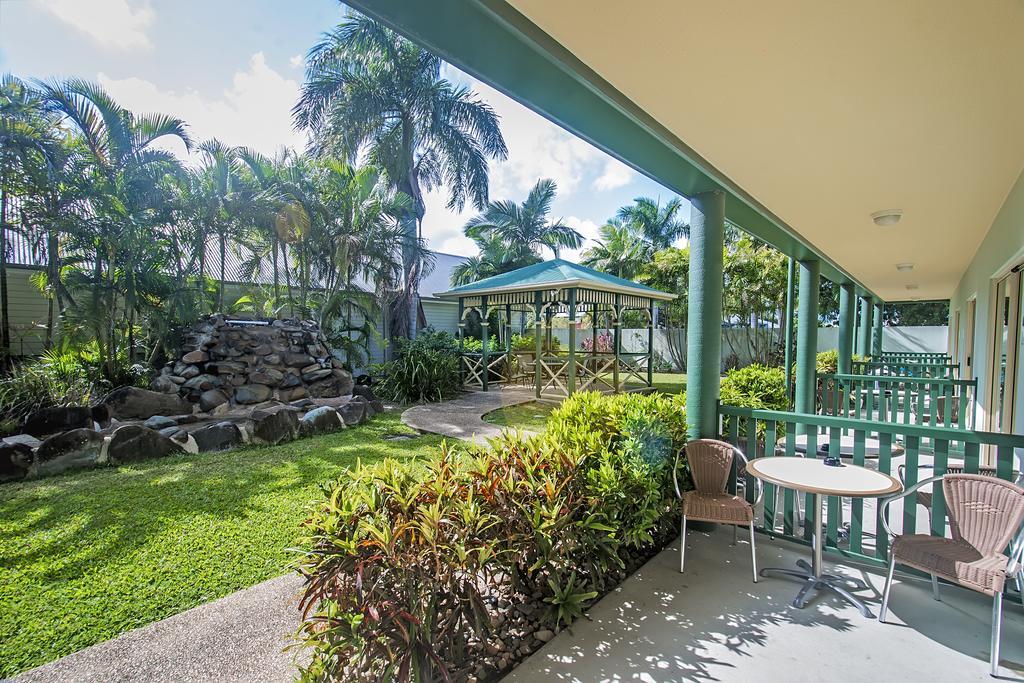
[
  {"x": 462, "y": 418},
  {"x": 713, "y": 624}
]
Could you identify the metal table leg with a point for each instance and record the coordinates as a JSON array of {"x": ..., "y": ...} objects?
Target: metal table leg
[{"x": 814, "y": 578}]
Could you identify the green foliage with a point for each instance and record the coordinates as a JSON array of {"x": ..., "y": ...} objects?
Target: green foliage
[
  {"x": 755, "y": 386},
  {"x": 521, "y": 343},
  {"x": 61, "y": 377},
  {"x": 404, "y": 561},
  {"x": 423, "y": 369},
  {"x": 165, "y": 535},
  {"x": 827, "y": 362}
]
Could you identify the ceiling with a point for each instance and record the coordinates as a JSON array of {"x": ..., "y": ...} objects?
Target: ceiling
[{"x": 827, "y": 112}]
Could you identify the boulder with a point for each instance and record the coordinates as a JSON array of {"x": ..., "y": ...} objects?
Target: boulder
[
  {"x": 268, "y": 376},
  {"x": 274, "y": 426},
  {"x": 59, "y": 419},
  {"x": 203, "y": 382},
  {"x": 344, "y": 380},
  {"x": 290, "y": 381},
  {"x": 196, "y": 356},
  {"x": 320, "y": 420},
  {"x": 15, "y": 459},
  {"x": 353, "y": 412},
  {"x": 134, "y": 403},
  {"x": 78, "y": 449},
  {"x": 216, "y": 437},
  {"x": 297, "y": 360},
  {"x": 102, "y": 414},
  {"x": 164, "y": 384},
  {"x": 252, "y": 393},
  {"x": 22, "y": 440},
  {"x": 316, "y": 375},
  {"x": 131, "y": 443},
  {"x": 209, "y": 400},
  {"x": 189, "y": 372},
  {"x": 159, "y": 422},
  {"x": 172, "y": 432},
  {"x": 363, "y": 390}
]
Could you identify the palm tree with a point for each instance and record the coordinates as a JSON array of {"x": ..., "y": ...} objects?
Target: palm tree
[
  {"x": 524, "y": 228},
  {"x": 659, "y": 225},
  {"x": 27, "y": 138},
  {"x": 220, "y": 195},
  {"x": 127, "y": 206},
  {"x": 620, "y": 250},
  {"x": 493, "y": 258},
  {"x": 370, "y": 90}
]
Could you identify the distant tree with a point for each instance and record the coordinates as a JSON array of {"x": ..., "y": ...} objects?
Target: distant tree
[
  {"x": 660, "y": 225},
  {"x": 620, "y": 250},
  {"x": 913, "y": 313}
]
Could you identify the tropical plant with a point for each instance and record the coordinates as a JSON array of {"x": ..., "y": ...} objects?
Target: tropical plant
[
  {"x": 660, "y": 226},
  {"x": 407, "y": 564},
  {"x": 370, "y": 91},
  {"x": 620, "y": 250},
  {"x": 524, "y": 230},
  {"x": 423, "y": 369}
]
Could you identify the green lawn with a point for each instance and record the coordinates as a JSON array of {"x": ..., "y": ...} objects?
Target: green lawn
[
  {"x": 670, "y": 382},
  {"x": 532, "y": 416},
  {"x": 87, "y": 556}
]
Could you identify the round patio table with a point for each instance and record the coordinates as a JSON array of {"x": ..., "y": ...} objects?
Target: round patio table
[
  {"x": 813, "y": 476},
  {"x": 872, "y": 447}
]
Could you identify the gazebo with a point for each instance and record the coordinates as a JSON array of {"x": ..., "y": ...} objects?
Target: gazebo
[{"x": 545, "y": 291}]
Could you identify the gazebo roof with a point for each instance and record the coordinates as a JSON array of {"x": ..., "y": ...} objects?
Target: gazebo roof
[{"x": 555, "y": 274}]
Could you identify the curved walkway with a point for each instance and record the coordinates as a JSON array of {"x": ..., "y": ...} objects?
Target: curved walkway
[{"x": 461, "y": 418}]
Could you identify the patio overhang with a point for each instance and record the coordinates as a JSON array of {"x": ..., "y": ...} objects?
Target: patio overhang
[{"x": 810, "y": 117}]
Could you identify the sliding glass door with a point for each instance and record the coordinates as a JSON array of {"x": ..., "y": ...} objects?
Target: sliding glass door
[{"x": 1007, "y": 368}]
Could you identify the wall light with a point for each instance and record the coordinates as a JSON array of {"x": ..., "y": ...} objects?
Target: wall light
[{"x": 904, "y": 267}]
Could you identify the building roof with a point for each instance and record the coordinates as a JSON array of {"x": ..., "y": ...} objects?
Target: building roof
[{"x": 555, "y": 274}]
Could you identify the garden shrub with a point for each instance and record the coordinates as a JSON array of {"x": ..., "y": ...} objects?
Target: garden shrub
[
  {"x": 62, "y": 377},
  {"x": 411, "y": 567},
  {"x": 423, "y": 369},
  {"x": 827, "y": 362},
  {"x": 756, "y": 386}
]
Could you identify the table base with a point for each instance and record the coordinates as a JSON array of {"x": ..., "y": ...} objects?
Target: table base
[{"x": 840, "y": 585}]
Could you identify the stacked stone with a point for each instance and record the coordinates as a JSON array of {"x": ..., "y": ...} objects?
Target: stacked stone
[{"x": 247, "y": 361}]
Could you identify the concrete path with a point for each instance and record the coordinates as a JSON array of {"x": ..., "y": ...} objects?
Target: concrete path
[
  {"x": 713, "y": 624},
  {"x": 461, "y": 418},
  {"x": 237, "y": 638}
]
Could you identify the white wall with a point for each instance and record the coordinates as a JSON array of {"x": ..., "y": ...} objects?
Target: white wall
[{"x": 923, "y": 339}]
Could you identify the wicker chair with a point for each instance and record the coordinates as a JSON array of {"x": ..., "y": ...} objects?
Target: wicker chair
[
  {"x": 985, "y": 515},
  {"x": 710, "y": 464}
]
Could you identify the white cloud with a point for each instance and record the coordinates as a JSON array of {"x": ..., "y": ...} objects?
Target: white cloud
[
  {"x": 117, "y": 24},
  {"x": 585, "y": 227},
  {"x": 296, "y": 61},
  {"x": 254, "y": 111},
  {"x": 616, "y": 174}
]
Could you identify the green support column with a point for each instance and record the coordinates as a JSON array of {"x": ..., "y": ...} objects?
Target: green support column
[
  {"x": 847, "y": 316},
  {"x": 462, "y": 336},
  {"x": 483, "y": 337},
  {"x": 650, "y": 348},
  {"x": 616, "y": 338},
  {"x": 807, "y": 336},
  {"x": 508, "y": 342},
  {"x": 864, "y": 329},
  {"x": 790, "y": 282},
  {"x": 704, "y": 313},
  {"x": 570, "y": 383},
  {"x": 538, "y": 341},
  {"x": 876, "y": 337}
]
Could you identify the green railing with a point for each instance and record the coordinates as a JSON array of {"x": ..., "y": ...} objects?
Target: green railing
[
  {"x": 915, "y": 357},
  {"x": 897, "y": 369},
  {"x": 889, "y": 447},
  {"x": 909, "y": 400}
]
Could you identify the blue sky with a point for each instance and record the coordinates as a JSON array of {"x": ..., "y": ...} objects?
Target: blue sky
[{"x": 233, "y": 70}]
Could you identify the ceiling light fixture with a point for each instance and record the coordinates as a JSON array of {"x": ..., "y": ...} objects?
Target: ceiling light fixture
[
  {"x": 904, "y": 267},
  {"x": 887, "y": 217},
  {"x": 911, "y": 287}
]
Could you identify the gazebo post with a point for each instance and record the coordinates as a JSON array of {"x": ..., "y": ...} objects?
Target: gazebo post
[
  {"x": 650, "y": 347},
  {"x": 616, "y": 335},
  {"x": 508, "y": 342},
  {"x": 538, "y": 342},
  {"x": 462, "y": 335},
  {"x": 483, "y": 335},
  {"x": 571, "y": 367}
]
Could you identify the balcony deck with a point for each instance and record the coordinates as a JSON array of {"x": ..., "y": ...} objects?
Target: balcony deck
[{"x": 713, "y": 624}]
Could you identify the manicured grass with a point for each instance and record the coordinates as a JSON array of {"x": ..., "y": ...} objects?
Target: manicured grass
[
  {"x": 532, "y": 416},
  {"x": 670, "y": 382},
  {"x": 86, "y": 556}
]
